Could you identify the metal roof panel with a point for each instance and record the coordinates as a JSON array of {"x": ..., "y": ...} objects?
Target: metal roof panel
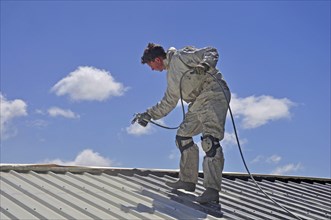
[{"x": 56, "y": 192}]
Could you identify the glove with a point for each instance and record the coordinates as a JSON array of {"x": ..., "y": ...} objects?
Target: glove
[
  {"x": 142, "y": 119},
  {"x": 201, "y": 68}
]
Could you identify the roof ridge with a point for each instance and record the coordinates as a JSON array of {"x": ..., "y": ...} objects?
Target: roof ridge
[{"x": 145, "y": 171}]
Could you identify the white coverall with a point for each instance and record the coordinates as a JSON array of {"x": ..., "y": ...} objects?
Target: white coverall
[{"x": 206, "y": 112}]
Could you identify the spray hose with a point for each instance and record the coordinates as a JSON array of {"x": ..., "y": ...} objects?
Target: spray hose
[
  {"x": 237, "y": 139},
  {"x": 242, "y": 155}
]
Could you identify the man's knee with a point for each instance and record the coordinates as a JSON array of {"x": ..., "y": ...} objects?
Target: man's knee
[
  {"x": 210, "y": 145},
  {"x": 184, "y": 143}
]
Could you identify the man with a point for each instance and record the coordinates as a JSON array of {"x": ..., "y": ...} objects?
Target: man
[{"x": 189, "y": 77}]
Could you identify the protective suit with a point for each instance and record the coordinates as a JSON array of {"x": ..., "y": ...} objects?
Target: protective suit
[{"x": 206, "y": 112}]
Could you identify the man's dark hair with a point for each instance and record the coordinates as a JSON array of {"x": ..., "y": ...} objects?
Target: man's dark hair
[{"x": 151, "y": 52}]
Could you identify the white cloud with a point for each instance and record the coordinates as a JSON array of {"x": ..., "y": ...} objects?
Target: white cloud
[
  {"x": 85, "y": 158},
  {"x": 257, "y": 111},
  {"x": 38, "y": 123},
  {"x": 257, "y": 159},
  {"x": 9, "y": 111},
  {"x": 90, "y": 84},
  {"x": 67, "y": 113},
  {"x": 274, "y": 159},
  {"x": 230, "y": 140},
  {"x": 39, "y": 111},
  {"x": 286, "y": 169},
  {"x": 179, "y": 104},
  {"x": 138, "y": 130}
]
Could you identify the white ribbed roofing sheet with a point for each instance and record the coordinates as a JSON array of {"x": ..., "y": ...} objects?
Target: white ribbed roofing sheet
[{"x": 119, "y": 195}]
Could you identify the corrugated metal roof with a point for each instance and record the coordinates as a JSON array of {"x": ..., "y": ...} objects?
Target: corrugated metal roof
[{"x": 55, "y": 192}]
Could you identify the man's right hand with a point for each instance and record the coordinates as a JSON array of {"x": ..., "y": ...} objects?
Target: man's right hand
[{"x": 142, "y": 119}]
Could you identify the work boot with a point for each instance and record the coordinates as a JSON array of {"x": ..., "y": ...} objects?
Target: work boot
[
  {"x": 209, "y": 195},
  {"x": 181, "y": 185}
]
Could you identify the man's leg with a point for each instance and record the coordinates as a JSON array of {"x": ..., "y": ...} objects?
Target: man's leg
[
  {"x": 189, "y": 159},
  {"x": 213, "y": 164},
  {"x": 189, "y": 164},
  {"x": 213, "y": 120}
]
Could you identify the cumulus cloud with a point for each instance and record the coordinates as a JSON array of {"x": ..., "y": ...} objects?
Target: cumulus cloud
[
  {"x": 273, "y": 159},
  {"x": 39, "y": 111},
  {"x": 85, "y": 158},
  {"x": 67, "y": 113},
  {"x": 10, "y": 109},
  {"x": 287, "y": 169},
  {"x": 257, "y": 159},
  {"x": 230, "y": 140},
  {"x": 38, "y": 123},
  {"x": 257, "y": 111},
  {"x": 179, "y": 104},
  {"x": 138, "y": 130},
  {"x": 89, "y": 84}
]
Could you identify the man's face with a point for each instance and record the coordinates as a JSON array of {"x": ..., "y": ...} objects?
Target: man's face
[{"x": 157, "y": 64}]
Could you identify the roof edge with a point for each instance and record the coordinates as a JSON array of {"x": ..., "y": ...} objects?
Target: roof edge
[{"x": 144, "y": 171}]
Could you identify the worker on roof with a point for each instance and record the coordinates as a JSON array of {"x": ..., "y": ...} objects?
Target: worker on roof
[{"x": 189, "y": 76}]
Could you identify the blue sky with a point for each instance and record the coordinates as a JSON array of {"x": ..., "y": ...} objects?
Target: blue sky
[{"x": 71, "y": 80}]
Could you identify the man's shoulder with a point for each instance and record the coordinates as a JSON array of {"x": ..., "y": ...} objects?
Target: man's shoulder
[
  {"x": 184, "y": 49},
  {"x": 188, "y": 48}
]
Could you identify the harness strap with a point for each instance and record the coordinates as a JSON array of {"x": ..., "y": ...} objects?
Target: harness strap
[{"x": 180, "y": 140}]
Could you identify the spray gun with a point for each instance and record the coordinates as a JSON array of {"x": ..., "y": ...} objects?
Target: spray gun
[
  {"x": 135, "y": 119},
  {"x": 141, "y": 118}
]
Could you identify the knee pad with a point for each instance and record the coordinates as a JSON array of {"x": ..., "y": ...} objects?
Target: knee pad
[
  {"x": 209, "y": 145},
  {"x": 184, "y": 143}
]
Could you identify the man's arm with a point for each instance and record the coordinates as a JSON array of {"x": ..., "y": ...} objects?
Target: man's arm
[{"x": 166, "y": 105}]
